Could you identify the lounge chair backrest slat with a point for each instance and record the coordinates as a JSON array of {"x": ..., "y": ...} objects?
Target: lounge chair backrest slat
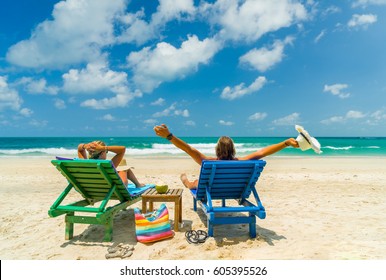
[
  {"x": 93, "y": 178},
  {"x": 228, "y": 179}
]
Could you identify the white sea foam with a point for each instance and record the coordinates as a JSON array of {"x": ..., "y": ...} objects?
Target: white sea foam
[
  {"x": 39, "y": 151},
  {"x": 156, "y": 149},
  {"x": 338, "y": 148},
  {"x": 164, "y": 149},
  {"x": 205, "y": 148},
  {"x": 197, "y": 145},
  {"x": 350, "y": 147}
]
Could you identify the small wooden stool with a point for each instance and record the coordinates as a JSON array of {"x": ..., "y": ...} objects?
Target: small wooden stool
[{"x": 151, "y": 195}]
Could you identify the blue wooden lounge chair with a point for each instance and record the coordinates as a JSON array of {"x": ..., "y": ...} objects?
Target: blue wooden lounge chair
[
  {"x": 99, "y": 184},
  {"x": 231, "y": 179}
]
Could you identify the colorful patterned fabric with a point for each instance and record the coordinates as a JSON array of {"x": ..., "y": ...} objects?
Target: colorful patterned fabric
[{"x": 154, "y": 226}]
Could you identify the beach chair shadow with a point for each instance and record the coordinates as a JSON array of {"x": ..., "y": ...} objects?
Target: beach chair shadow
[
  {"x": 234, "y": 234},
  {"x": 229, "y": 180},
  {"x": 103, "y": 195}
]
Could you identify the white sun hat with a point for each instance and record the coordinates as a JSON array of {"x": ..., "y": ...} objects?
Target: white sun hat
[
  {"x": 122, "y": 166},
  {"x": 305, "y": 141}
]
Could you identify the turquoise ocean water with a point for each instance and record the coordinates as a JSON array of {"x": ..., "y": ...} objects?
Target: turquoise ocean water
[{"x": 155, "y": 146}]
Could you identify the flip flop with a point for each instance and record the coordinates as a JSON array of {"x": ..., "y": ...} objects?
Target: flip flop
[
  {"x": 201, "y": 236},
  {"x": 191, "y": 236},
  {"x": 195, "y": 237},
  {"x": 121, "y": 251}
]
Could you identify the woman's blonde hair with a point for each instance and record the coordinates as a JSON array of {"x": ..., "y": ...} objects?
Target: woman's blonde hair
[
  {"x": 225, "y": 149},
  {"x": 96, "y": 154}
]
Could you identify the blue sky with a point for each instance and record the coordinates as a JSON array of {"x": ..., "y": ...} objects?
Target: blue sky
[{"x": 205, "y": 68}]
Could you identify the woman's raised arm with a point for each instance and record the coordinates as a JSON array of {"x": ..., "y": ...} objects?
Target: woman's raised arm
[
  {"x": 269, "y": 150},
  {"x": 163, "y": 131}
]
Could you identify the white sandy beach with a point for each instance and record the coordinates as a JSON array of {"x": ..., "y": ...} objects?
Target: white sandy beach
[{"x": 319, "y": 208}]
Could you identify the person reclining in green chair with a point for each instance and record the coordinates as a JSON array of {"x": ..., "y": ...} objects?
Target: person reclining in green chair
[
  {"x": 225, "y": 150},
  {"x": 99, "y": 149}
]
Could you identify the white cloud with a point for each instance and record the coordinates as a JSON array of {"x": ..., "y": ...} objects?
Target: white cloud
[
  {"x": 240, "y": 90},
  {"x": 292, "y": 119},
  {"x": 222, "y": 122},
  {"x": 190, "y": 123},
  {"x": 37, "y": 123},
  {"x": 120, "y": 100},
  {"x": 337, "y": 89},
  {"x": 335, "y": 119},
  {"x": 94, "y": 78},
  {"x": 249, "y": 20},
  {"x": 150, "y": 121},
  {"x": 159, "y": 102},
  {"x": 361, "y": 20},
  {"x": 108, "y": 117},
  {"x": 26, "y": 112},
  {"x": 139, "y": 31},
  {"x": 165, "y": 112},
  {"x": 331, "y": 10},
  {"x": 354, "y": 115},
  {"x": 379, "y": 115},
  {"x": 97, "y": 77},
  {"x": 342, "y": 119},
  {"x": 171, "y": 9},
  {"x": 257, "y": 116},
  {"x": 59, "y": 104},
  {"x": 77, "y": 32},
  {"x": 151, "y": 67},
  {"x": 183, "y": 113},
  {"x": 364, "y": 3},
  {"x": 265, "y": 58},
  {"x": 9, "y": 98},
  {"x": 377, "y": 118},
  {"x": 38, "y": 86},
  {"x": 320, "y": 36},
  {"x": 170, "y": 111}
]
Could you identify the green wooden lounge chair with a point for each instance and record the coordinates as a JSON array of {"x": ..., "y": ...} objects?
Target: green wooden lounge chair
[
  {"x": 225, "y": 180},
  {"x": 98, "y": 183}
]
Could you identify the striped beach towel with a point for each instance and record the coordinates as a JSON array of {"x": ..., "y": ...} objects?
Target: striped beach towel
[{"x": 153, "y": 226}]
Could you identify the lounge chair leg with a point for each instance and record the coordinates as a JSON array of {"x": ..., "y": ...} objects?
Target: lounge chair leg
[
  {"x": 194, "y": 204},
  {"x": 108, "y": 230},
  {"x": 252, "y": 227},
  {"x": 210, "y": 230},
  {"x": 69, "y": 232},
  {"x": 210, "y": 224}
]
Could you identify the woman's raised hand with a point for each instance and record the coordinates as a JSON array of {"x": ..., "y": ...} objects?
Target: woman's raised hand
[{"x": 161, "y": 130}]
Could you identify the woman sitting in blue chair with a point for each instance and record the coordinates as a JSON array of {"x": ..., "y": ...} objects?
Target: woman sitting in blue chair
[{"x": 225, "y": 150}]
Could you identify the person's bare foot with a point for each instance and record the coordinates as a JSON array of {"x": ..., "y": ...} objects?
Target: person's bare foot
[
  {"x": 190, "y": 185},
  {"x": 184, "y": 179}
]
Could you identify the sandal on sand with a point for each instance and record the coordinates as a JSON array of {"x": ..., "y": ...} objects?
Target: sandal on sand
[
  {"x": 112, "y": 250},
  {"x": 116, "y": 254},
  {"x": 191, "y": 236},
  {"x": 202, "y": 236},
  {"x": 121, "y": 251},
  {"x": 196, "y": 237}
]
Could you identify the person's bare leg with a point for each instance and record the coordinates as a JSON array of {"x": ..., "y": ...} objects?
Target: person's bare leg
[
  {"x": 131, "y": 177},
  {"x": 189, "y": 184}
]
